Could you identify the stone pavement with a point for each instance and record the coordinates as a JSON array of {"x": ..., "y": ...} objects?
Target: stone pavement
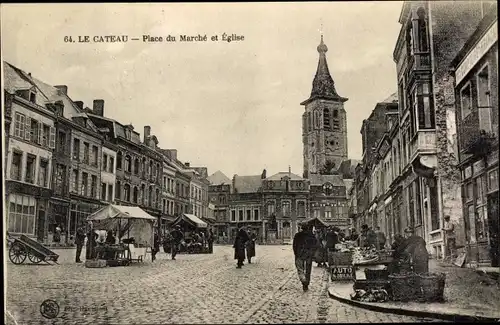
[{"x": 194, "y": 289}]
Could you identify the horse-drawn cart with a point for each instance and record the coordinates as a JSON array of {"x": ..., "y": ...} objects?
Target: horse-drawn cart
[{"x": 23, "y": 247}]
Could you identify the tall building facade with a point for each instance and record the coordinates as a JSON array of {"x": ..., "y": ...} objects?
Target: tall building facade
[
  {"x": 432, "y": 32},
  {"x": 476, "y": 78},
  {"x": 324, "y": 122}
]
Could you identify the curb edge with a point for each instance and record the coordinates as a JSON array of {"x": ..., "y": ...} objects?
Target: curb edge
[{"x": 414, "y": 313}]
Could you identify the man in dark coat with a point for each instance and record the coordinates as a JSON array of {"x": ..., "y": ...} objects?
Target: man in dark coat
[
  {"x": 239, "y": 246},
  {"x": 380, "y": 239},
  {"x": 332, "y": 239},
  {"x": 177, "y": 237},
  {"x": 210, "y": 240},
  {"x": 79, "y": 241},
  {"x": 251, "y": 247},
  {"x": 156, "y": 246},
  {"x": 370, "y": 236},
  {"x": 415, "y": 247},
  {"x": 91, "y": 244},
  {"x": 304, "y": 247}
]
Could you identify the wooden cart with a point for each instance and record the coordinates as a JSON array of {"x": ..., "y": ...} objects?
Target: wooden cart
[{"x": 23, "y": 247}]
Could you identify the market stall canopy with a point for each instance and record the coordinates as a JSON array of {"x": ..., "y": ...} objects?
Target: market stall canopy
[
  {"x": 120, "y": 212},
  {"x": 190, "y": 219},
  {"x": 316, "y": 222}
]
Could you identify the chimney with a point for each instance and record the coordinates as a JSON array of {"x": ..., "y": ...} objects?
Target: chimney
[
  {"x": 79, "y": 104},
  {"x": 234, "y": 184},
  {"x": 63, "y": 89},
  {"x": 98, "y": 107},
  {"x": 187, "y": 164},
  {"x": 264, "y": 174},
  {"x": 289, "y": 170},
  {"x": 147, "y": 133}
]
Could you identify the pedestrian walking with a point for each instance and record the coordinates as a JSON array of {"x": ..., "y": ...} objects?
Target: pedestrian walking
[
  {"x": 304, "y": 246},
  {"x": 239, "y": 246},
  {"x": 251, "y": 247},
  {"x": 210, "y": 241},
  {"x": 177, "y": 238},
  {"x": 156, "y": 246},
  {"x": 380, "y": 239},
  {"x": 449, "y": 235},
  {"x": 56, "y": 238},
  {"x": 332, "y": 239},
  {"x": 79, "y": 241}
]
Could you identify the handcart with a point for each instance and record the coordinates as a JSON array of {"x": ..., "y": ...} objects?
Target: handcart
[{"x": 23, "y": 247}]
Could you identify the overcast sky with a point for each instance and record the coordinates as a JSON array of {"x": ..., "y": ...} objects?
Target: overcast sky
[{"x": 233, "y": 107}]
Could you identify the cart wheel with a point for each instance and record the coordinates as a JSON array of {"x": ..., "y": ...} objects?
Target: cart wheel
[
  {"x": 34, "y": 259},
  {"x": 17, "y": 254}
]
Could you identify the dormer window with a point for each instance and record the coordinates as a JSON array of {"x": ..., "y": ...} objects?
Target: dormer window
[{"x": 32, "y": 97}]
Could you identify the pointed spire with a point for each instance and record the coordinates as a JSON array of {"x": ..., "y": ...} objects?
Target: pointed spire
[{"x": 323, "y": 84}]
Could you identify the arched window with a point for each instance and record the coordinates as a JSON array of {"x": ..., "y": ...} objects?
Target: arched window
[
  {"x": 158, "y": 171},
  {"x": 157, "y": 198},
  {"x": 150, "y": 168},
  {"x": 309, "y": 122},
  {"x": 136, "y": 166},
  {"x": 128, "y": 164},
  {"x": 136, "y": 194},
  {"x": 423, "y": 44},
  {"x": 150, "y": 195},
  {"x": 143, "y": 167},
  {"x": 143, "y": 194},
  {"x": 326, "y": 119},
  {"x": 126, "y": 192},
  {"x": 118, "y": 190},
  {"x": 119, "y": 157}
]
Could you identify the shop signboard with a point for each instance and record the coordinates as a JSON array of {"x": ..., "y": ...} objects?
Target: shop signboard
[{"x": 342, "y": 273}]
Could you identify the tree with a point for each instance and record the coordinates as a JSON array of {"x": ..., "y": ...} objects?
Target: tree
[{"x": 328, "y": 168}]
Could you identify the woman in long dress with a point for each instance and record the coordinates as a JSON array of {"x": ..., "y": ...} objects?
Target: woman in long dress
[{"x": 251, "y": 247}]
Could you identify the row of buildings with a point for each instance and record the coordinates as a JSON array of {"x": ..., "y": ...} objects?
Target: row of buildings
[
  {"x": 431, "y": 150},
  {"x": 65, "y": 161},
  {"x": 273, "y": 206}
]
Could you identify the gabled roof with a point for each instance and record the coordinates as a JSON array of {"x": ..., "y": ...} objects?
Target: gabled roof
[
  {"x": 318, "y": 179},
  {"x": 280, "y": 175},
  {"x": 391, "y": 99},
  {"x": 247, "y": 184},
  {"x": 218, "y": 178},
  {"x": 17, "y": 79}
]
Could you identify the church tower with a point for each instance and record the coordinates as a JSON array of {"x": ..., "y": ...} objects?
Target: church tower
[{"x": 324, "y": 122}]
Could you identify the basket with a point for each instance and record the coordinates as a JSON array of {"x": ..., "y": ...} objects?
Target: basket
[
  {"x": 404, "y": 287},
  {"x": 340, "y": 258},
  {"x": 432, "y": 287},
  {"x": 376, "y": 274}
]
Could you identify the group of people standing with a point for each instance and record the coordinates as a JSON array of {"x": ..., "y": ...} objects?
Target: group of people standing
[{"x": 244, "y": 246}]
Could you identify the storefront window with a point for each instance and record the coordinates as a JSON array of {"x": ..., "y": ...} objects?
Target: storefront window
[
  {"x": 493, "y": 180},
  {"x": 482, "y": 224},
  {"x": 22, "y": 214}
]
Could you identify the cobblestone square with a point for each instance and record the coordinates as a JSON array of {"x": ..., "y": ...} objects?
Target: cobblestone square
[{"x": 195, "y": 289}]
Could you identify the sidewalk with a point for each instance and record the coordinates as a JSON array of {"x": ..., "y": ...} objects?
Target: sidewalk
[{"x": 469, "y": 295}]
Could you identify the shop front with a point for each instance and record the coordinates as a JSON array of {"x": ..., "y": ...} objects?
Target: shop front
[{"x": 79, "y": 211}]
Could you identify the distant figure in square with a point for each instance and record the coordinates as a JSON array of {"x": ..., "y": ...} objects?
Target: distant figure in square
[
  {"x": 156, "y": 246},
  {"x": 239, "y": 246},
  {"x": 304, "y": 247},
  {"x": 251, "y": 247},
  {"x": 177, "y": 237},
  {"x": 79, "y": 241},
  {"x": 380, "y": 239},
  {"x": 57, "y": 234},
  {"x": 450, "y": 241}
]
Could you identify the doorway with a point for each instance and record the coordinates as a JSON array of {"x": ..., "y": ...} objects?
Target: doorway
[
  {"x": 41, "y": 225},
  {"x": 494, "y": 228}
]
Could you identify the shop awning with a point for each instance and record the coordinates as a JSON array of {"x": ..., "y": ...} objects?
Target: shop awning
[
  {"x": 120, "y": 212},
  {"x": 191, "y": 219},
  {"x": 316, "y": 222}
]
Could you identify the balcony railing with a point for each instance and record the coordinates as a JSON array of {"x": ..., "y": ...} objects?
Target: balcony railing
[
  {"x": 475, "y": 130},
  {"x": 424, "y": 142}
]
